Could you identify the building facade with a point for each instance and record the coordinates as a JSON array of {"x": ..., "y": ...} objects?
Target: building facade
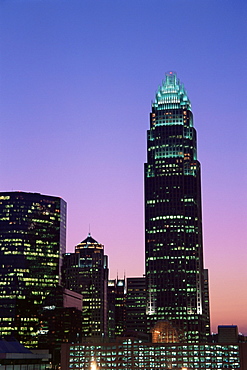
[
  {"x": 173, "y": 217},
  {"x": 120, "y": 307},
  {"x": 111, "y": 304},
  {"x": 136, "y": 304},
  {"x": 32, "y": 242},
  {"x": 60, "y": 321},
  {"x": 86, "y": 272},
  {"x": 116, "y": 298},
  {"x": 131, "y": 354}
]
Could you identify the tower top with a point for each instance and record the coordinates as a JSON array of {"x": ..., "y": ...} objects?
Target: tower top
[
  {"x": 171, "y": 94},
  {"x": 89, "y": 242}
]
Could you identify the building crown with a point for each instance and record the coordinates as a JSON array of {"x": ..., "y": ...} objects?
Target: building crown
[
  {"x": 89, "y": 242},
  {"x": 171, "y": 94}
]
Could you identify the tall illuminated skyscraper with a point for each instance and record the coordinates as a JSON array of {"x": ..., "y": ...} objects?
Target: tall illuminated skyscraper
[
  {"x": 173, "y": 218},
  {"x": 32, "y": 242}
]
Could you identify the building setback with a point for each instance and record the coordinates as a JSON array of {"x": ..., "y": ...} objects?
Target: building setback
[
  {"x": 32, "y": 242},
  {"x": 173, "y": 219},
  {"x": 86, "y": 272}
]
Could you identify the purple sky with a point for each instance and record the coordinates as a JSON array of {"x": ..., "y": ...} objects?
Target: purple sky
[{"x": 76, "y": 82}]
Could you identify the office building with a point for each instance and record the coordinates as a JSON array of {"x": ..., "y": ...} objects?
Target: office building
[
  {"x": 173, "y": 216},
  {"x": 86, "y": 272},
  {"x": 228, "y": 334},
  {"x": 126, "y": 307},
  {"x": 116, "y": 299},
  {"x": 111, "y": 304},
  {"x": 32, "y": 242},
  {"x": 60, "y": 321},
  {"x": 136, "y": 304},
  {"x": 130, "y": 353},
  {"x": 120, "y": 307}
]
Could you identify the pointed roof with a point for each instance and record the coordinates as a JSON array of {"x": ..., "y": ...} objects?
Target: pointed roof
[
  {"x": 89, "y": 242},
  {"x": 171, "y": 94}
]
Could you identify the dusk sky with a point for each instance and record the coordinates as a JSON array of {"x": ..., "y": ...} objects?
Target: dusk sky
[{"x": 77, "y": 78}]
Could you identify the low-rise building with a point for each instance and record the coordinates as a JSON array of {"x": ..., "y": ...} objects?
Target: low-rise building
[
  {"x": 14, "y": 356},
  {"x": 130, "y": 353}
]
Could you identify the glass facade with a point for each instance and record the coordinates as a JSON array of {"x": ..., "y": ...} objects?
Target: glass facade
[
  {"x": 32, "y": 242},
  {"x": 133, "y": 354},
  {"x": 173, "y": 220}
]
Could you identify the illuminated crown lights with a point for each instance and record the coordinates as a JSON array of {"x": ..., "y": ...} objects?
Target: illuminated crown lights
[{"x": 171, "y": 94}]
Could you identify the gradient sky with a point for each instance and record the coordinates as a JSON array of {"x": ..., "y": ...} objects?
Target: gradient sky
[{"x": 77, "y": 78}]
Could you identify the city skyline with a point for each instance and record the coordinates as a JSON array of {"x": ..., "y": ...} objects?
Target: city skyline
[{"x": 77, "y": 81}]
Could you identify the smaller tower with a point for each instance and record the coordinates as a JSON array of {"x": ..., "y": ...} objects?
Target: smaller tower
[
  {"x": 136, "y": 304},
  {"x": 60, "y": 321},
  {"x": 116, "y": 298},
  {"x": 86, "y": 272},
  {"x": 120, "y": 303},
  {"x": 32, "y": 242}
]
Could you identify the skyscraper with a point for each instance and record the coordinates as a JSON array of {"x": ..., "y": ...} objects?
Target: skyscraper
[
  {"x": 32, "y": 242},
  {"x": 173, "y": 219},
  {"x": 86, "y": 272}
]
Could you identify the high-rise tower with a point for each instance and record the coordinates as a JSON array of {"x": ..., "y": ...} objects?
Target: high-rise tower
[
  {"x": 173, "y": 220},
  {"x": 32, "y": 242},
  {"x": 86, "y": 272}
]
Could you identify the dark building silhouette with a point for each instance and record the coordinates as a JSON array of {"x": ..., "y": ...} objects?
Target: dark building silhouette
[
  {"x": 228, "y": 334},
  {"x": 116, "y": 298},
  {"x": 86, "y": 272},
  {"x": 136, "y": 304},
  {"x": 60, "y": 321},
  {"x": 32, "y": 241},
  {"x": 207, "y": 302},
  {"x": 173, "y": 219},
  {"x": 111, "y": 304},
  {"x": 120, "y": 307}
]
